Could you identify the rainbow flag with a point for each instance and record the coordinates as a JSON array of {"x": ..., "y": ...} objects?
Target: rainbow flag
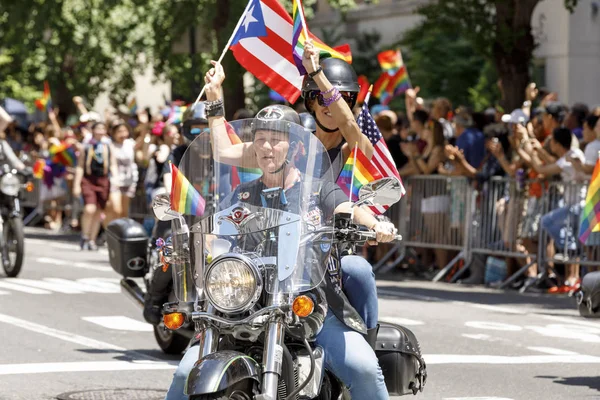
[
  {"x": 176, "y": 114},
  {"x": 363, "y": 82},
  {"x": 132, "y": 106},
  {"x": 299, "y": 38},
  {"x": 380, "y": 86},
  {"x": 364, "y": 172},
  {"x": 38, "y": 168},
  {"x": 45, "y": 103},
  {"x": 185, "y": 199},
  {"x": 399, "y": 82},
  {"x": 240, "y": 174},
  {"x": 63, "y": 154},
  {"x": 390, "y": 60},
  {"x": 590, "y": 215}
]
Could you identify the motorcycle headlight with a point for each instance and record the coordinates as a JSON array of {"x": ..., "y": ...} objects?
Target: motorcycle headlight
[
  {"x": 233, "y": 283},
  {"x": 10, "y": 185}
]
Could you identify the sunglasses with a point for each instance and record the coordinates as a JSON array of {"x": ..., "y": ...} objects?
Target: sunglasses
[
  {"x": 197, "y": 131},
  {"x": 349, "y": 97}
]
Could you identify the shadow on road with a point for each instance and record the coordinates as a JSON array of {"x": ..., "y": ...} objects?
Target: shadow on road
[
  {"x": 593, "y": 382},
  {"x": 428, "y": 291},
  {"x": 130, "y": 355}
]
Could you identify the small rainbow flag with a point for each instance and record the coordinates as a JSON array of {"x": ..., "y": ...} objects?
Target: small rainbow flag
[
  {"x": 185, "y": 199},
  {"x": 299, "y": 36},
  {"x": 363, "y": 82},
  {"x": 45, "y": 102},
  {"x": 590, "y": 215},
  {"x": 240, "y": 174},
  {"x": 359, "y": 166},
  {"x": 63, "y": 154},
  {"x": 399, "y": 82},
  {"x": 132, "y": 106},
  {"x": 390, "y": 60},
  {"x": 38, "y": 168}
]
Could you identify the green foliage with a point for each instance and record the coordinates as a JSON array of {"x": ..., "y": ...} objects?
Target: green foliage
[
  {"x": 485, "y": 93},
  {"x": 364, "y": 57}
]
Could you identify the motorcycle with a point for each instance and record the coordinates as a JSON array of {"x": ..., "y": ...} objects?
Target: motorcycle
[
  {"x": 249, "y": 279},
  {"x": 12, "y": 236}
]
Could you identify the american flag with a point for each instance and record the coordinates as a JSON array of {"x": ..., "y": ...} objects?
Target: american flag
[{"x": 382, "y": 159}]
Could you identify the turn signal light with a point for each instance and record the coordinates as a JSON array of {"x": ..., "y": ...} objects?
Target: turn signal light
[
  {"x": 29, "y": 187},
  {"x": 174, "y": 320},
  {"x": 303, "y": 306}
]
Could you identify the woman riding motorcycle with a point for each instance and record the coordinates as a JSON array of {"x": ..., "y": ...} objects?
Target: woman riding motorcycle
[{"x": 349, "y": 356}]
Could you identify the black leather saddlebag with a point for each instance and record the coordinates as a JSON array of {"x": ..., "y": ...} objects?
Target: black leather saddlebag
[
  {"x": 588, "y": 296},
  {"x": 127, "y": 243},
  {"x": 400, "y": 359}
]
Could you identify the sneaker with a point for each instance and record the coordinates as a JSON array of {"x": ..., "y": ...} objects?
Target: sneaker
[
  {"x": 92, "y": 246},
  {"x": 84, "y": 244}
]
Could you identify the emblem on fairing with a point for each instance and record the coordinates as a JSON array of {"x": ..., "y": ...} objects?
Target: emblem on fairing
[{"x": 238, "y": 216}]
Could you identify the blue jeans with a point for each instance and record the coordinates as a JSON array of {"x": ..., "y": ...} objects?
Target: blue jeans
[
  {"x": 561, "y": 225},
  {"x": 347, "y": 353}
]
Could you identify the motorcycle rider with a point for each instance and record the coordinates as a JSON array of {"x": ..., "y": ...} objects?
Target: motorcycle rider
[
  {"x": 7, "y": 155},
  {"x": 348, "y": 355},
  {"x": 330, "y": 93}
]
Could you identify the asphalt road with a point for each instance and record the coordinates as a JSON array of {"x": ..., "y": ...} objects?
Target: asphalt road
[{"x": 65, "y": 326}]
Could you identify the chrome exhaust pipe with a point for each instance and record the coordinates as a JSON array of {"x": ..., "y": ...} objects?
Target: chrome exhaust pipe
[{"x": 133, "y": 290}]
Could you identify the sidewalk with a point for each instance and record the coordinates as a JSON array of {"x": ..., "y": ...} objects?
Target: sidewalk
[{"x": 43, "y": 233}]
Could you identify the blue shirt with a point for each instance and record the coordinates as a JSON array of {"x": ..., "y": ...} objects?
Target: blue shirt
[{"x": 471, "y": 142}]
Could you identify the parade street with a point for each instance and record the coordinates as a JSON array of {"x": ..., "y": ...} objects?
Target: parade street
[{"x": 66, "y": 327}]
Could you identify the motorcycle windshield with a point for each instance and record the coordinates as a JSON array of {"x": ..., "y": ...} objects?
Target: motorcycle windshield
[{"x": 259, "y": 189}]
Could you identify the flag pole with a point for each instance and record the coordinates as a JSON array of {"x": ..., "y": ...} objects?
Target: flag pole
[
  {"x": 304, "y": 28},
  {"x": 239, "y": 23},
  {"x": 352, "y": 180},
  {"x": 368, "y": 96}
]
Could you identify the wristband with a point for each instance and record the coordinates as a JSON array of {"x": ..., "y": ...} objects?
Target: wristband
[
  {"x": 312, "y": 74},
  {"x": 214, "y": 108},
  {"x": 329, "y": 91},
  {"x": 335, "y": 97}
]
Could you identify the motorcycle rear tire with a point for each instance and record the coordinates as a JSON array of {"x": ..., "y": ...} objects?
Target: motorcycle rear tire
[
  {"x": 170, "y": 342},
  {"x": 13, "y": 230},
  {"x": 243, "y": 390}
]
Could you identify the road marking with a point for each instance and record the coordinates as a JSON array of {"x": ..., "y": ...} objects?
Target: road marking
[
  {"x": 480, "y": 336},
  {"x": 402, "y": 321},
  {"x": 61, "y": 245},
  {"x": 120, "y": 322},
  {"x": 584, "y": 334},
  {"x": 476, "y": 398},
  {"x": 39, "y": 368},
  {"x": 64, "y": 263},
  {"x": 496, "y": 360},
  {"x": 568, "y": 320},
  {"x": 51, "y": 286},
  {"x": 55, "y": 333},
  {"x": 497, "y": 326},
  {"x": 24, "y": 289},
  {"x": 497, "y": 308},
  {"x": 550, "y": 350}
]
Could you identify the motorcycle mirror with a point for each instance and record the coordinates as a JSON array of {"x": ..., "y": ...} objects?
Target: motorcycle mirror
[
  {"x": 161, "y": 206},
  {"x": 382, "y": 192}
]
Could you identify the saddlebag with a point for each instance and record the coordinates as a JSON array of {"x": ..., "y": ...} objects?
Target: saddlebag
[
  {"x": 127, "y": 247},
  {"x": 588, "y": 296},
  {"x": 399, "y": 355}
]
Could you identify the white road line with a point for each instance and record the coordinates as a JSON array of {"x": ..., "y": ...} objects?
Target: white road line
[
  {"x": 476, "y": 398},
  {"x": 579, "y": 321},
  {"x": 550, "y": 350},
  {"x": 60, "y": 245},
  {"x": 55, "y": 333},
  {"x": 496, "y": 308},
  {"x": 402, "y": 321},
  {"x": 495, "y": 326},
  {"x": 120, "y": 322},
  {"x": 65, "y": 263},
  {"x": 7, "y": 285},
  {"x": 498, "y": 360},
  {"x": 39, "y": 368},
  {"x": 3, "y": 292},
  {"x": 54, "y": 287}
]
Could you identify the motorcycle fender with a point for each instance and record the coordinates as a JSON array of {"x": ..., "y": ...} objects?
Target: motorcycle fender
[{"x": 220, "y": 370}]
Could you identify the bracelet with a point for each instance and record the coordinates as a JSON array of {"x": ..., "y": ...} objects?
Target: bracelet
[
  {"x": 329, "y": 91},
  {"x": 335, "y": 97},
  {"x": 312, "y": 74},
  {"x": 214, "y": 108}
]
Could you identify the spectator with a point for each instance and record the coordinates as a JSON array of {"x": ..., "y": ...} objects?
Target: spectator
[
  {"x": 123, "y": 184},
  {"x": 442, "y": 111},
  {"x": 575, "y": 118},
  {"x": 386, "y": 122},
  {"x": 469, "y": 139},
  {"x": 555, "y": 222}
]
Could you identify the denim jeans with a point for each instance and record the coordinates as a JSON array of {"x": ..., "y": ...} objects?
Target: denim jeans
[
  {"x": 561, "y": 225},
  {"x": 347, "y": 353}
]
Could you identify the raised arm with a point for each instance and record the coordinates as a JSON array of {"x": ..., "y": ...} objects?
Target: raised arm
[
  {"x": 228, "y": 153},
  {"x": 5, "y": 119},
  {"x": 340, "y": 110}
]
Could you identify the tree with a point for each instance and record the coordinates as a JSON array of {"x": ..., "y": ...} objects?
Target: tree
[{"x": 500, "y": 30}]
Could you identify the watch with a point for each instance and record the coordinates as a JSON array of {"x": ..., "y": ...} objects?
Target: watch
[{"x": 312, "y": 74}]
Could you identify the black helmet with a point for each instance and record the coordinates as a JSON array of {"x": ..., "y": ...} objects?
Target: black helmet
[
  {"x": 275, "y": 118},
  {"x": 198, "y": 118},
  {"x": 308, "y": 121},
  {"x": 339, "y": 73}
]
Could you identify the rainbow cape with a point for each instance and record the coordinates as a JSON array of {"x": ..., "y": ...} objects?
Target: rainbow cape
[
  {"x": 185, "y": 199},
  {"x": 240, "y": 174},
  {"x": 63, "y": 154},
  {"x": 364, "y": 172},
  {"x": 299, "y": 38},
  {"x": 590, "y": 215},
  {"x": 45, "y": 103}
]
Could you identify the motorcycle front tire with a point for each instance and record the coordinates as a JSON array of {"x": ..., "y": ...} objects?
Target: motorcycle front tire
[
  {"x": 170, "y": 342},
  {"x": 243, "y": 390},
  {"x": 13, "y": 231}
]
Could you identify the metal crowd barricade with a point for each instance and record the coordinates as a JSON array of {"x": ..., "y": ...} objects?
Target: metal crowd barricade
[
  {"x": 433, "y": 214},
  {"x": 562, "y": 215}
]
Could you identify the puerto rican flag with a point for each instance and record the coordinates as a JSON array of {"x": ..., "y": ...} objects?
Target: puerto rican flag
[{"x": 263, "y": 45}]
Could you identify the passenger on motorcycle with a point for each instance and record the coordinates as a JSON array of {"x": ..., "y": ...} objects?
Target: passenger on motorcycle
[{"x": 348, "y": 355}]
